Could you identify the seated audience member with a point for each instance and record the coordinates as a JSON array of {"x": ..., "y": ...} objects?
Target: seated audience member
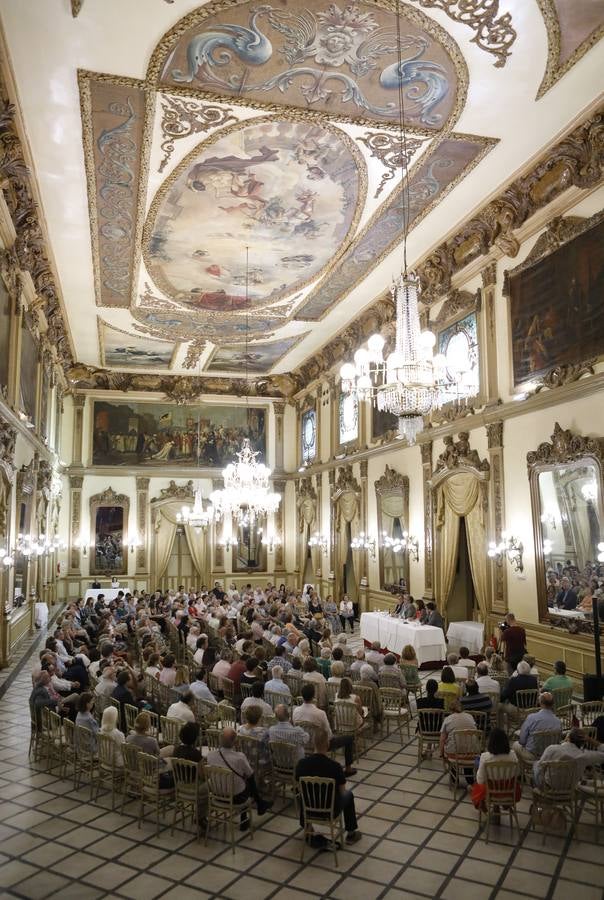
[
  {"x": 464, "y": 659},
  {"x": 188, "y": 747},
  {"x": 285, "y": 732},
  {"x": 167, "y": 675},
  {"x": 279, "y": 659},
  {"x": 257, "y": 701},
  {"x": 200, "y": 690},
  {"x": 312, "y": 674},
  {"x": 43, "y": 695},
  {"x": 448, "y": 689},
  {"x": 276, "y": 683},
  {"x": 559, "y": 679},
  {"x": 252, "y": 672},
  {"x": 457, "y": 720},
  {"x": 338, "y": 670},
  {"x": 84, "y": 716},
  {"x": 376, "y": 708},
  {"x": 390, "y": 674},
  {"x": 310, "y": 713},
  {"x": 182, "y": 709},
  {"x": 485, "y": 683},
  {"x": 244, "y": 782},
  {"x": 368, "y": 673},
  {"x": 474, "y": 700},
  {"x": 110, "y": 729},
  {"x": 152, "y": 668},
  {"x": 497, "y": 665},
  {"x": 373, "y": 656},
  {"x": 458, "y": 670},
  {"x": 141, "y": 737},
  {"x": 324, "y": 662},
  {"x": 498, "y": 750},
  {"x": 358, "y": 661},
  {"x": 431, "y": 700},
  {"x": 543, "y": 720},
  {"x": 320, "y": 765},
  {"x": 566, "y": 598},
  {"x": 576, "y": 747},
  {"x": 181, "y": 685},
  {"x": 200, "y": 648},
  {"x": 523, "y": 681},
  {"x": 222, "y": 668}
]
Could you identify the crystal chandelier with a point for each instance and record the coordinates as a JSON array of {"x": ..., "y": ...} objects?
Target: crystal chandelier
[
  {"x": 246, "y": 493},
  {"x": 198, "y": 517},
  {"x": 247, "y": 490}
]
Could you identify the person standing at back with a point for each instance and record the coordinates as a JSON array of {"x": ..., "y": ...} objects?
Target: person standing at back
[{"x": 513, "y": 638}]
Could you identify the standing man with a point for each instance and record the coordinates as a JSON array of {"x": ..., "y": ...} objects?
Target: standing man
[{"x": 513, "y": 638}]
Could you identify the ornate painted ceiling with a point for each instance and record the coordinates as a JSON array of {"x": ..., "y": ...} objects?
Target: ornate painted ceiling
[{"x": 221, "y": 182}]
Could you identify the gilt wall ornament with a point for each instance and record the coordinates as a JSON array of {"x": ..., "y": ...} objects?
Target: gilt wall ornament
[
  {"x": 182, "y": 117},
  {"x": 306, "y": 502},
  {"x": 492, "y": 34},
  {"x": 565, "y": 447},
  {"x": 176, "y": 492},
  {"x": 565, "y": 374},
  {"x": 392, "y": 151},
  {"x": 457, "y": 302},
  {"x": 459, "y": 453},
  {"x": 392, "y": 480},
  {"x": 108, "y": 497},
  {"x": 346, "y": 481}
]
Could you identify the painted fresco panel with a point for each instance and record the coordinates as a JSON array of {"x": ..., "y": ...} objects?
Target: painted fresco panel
[
  {"x": 258, "y": 358},
  {"x": 160, "y": 434},
  {"x": 556, "y": 307},
  {"x": 130, "y": 351}
]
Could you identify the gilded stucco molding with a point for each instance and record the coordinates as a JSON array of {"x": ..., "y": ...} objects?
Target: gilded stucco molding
[
  {"x": 554, "y": 70},
  {"x": 394, "y": 153},
  {"x": 493, "y": 35},
  {"x": 182, "y": 117}
]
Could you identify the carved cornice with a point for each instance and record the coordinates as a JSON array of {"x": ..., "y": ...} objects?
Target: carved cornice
[
  {"x": 305, "y": 491},
  {"x": 457, "y": 302},
  {"x": 459, "y": 453},
  {"x": 108, "y": 497},
  {"x": 76, "y": 482},
  {"x": 392, "y": 480},
  {"x": 142, "y": 484},
  {"x": 565, "y": 374},
  {"x": 346, "y": 481},
  {"x": 44, "y": 477},
  {"x": 577, "y": 160},
  {"x": 30, "y": 246},
  {"x": 451, "y": 412},
  {"x": 426, "y": 452},
  {"x": 8, "y": 438},
  {"x": 565, "y": 447},
  {"x": 176, "y": 492},
  {"x": 489, "y": 275}
]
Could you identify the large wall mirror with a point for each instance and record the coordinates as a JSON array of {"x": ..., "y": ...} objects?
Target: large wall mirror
[
  {"x": 108, "y": 527},
  {"x": 392, "y": 496},
  {"x": 250, "y": 552},
  {"x": 568, "y": 520}
]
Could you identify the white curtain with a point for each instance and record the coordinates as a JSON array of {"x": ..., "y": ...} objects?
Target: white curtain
[
  {"x": 165, "y": 532},
  {"x": 198, "y": 548},
  {"x": 459, "y": 496}
]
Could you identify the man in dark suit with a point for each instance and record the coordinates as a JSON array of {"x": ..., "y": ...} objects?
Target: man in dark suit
[
  {"x": 566, "y": 597},
  {"x": 434, "y": 617}
]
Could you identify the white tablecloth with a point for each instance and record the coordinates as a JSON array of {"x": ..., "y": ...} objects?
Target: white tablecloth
[
  {"x": 41, "y": 614},
  {"x": 567, "y": 613},
  {"x": 466, "y": 634},
  {"x": 394, "y": 634},
  {"x": 110, "y": 593}
]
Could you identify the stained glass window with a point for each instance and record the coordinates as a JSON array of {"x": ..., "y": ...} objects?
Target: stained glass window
[
  {"x": 459, "y": 343},
  {"x": 309, "y": 435},
  {"x": 349, "y": 418}
]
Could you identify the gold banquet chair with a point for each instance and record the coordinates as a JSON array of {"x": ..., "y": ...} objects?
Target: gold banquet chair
[
  {"x": 189, "y": 792},
  {"x": 108, "y": 772},
  {"x": 501, "y": 787},
  {"x": 222, "y": 808},
  {"x": 318, "y": 799}
]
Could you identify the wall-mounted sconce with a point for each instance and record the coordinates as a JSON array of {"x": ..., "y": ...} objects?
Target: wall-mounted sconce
[
  {"x": 41, "y": 546},
  {"x": 271, "y": 542},
  {"x": 319, "y": 540},
  {"x": 601, "y": 552},
  {"x": 550, "y": 518},
  {"x": 227, "y": 542},
  {"x": 6, "y": 558},
  {"x": 134, "y": 542},
  {"x": 510, "y": 547},
  {"x": 547, "y": 547},
  {"x": 405, "y": 544},
  {"x": 82, "y": 545},
  {"x": 364, "y": 542}
]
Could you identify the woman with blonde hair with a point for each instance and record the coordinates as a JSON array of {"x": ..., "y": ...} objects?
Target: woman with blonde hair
[
  {"x": 181, "y": 685},
  {"x": 110, "y": 729},
  {"x": 345, "y": 694}
]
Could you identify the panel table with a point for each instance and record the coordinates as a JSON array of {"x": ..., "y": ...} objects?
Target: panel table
[{"x": 394, "y": 634}]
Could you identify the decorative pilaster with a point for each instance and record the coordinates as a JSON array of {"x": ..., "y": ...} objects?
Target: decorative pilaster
[
  {"x": 79, "y": 402},
  {"x": 279, "y": 524},
  {"x": 491, "y": 387},
  {"x": 142, "y": 505},
  {"x": 364, "y": 579},
  {"x": 497, "y": 512},
  {"x": 218, "y": 485},
  {"x": 279, "y": 409},
  {"x": 426, "y": 451},
  {"x": 75, "y": 518},
  {"x": 332, "y": 530}
]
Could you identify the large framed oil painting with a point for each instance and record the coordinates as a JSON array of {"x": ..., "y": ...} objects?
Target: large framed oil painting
[
  {"x": 160, "y": 434},
  {"x": 382, "y": 422},
  {"x": 556, "y": 306},
  {"x": 108, "y": 526}
]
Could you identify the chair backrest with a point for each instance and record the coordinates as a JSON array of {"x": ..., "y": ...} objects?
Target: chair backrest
[
  {"x": 501, "y": 781},
  {"x": 85, "y": 741},
  {"x": 148, "y": 767},
  {"x": 111, "y": 701},
  {"x": 131, "y": 714},
  {"x": 589, "y": 711},
  {"x": 411, "y": 674},
  {"x": 170, "y": 730},
  {"x": 562, "y": 697},
  {"x": 293, "y": 680},
  {"x": 284, "y": 757},
  {"x": 106, "y": 751},
  {"x": 245, "y": 690},
  {"x": 69, "y": 735},
  {"x": 467, "y": 742},
  {"x": 227, "y": 714},
  {"x": 365, "y": 694},
  {"x": 154, "y": 729},
  {"x": 429, "y": 721},
  {"x": 214, "y": 683},
  {"x": 228, "y": 689},
  {"x": 252, "y": 747},
  {"x": 527, "y": 699},
  {"x": 318, "y": 798},
  {"x": 311, "y": 729},
  {"x": 481, "y": 717},
  {"x": 220, "y": 783},
  {"x": 542, "y": 739},
  {"x": 331, "y": 690},
  {"x": 55, "y": 727},
  {"x": 493, "y": 697},
  {"x": 186, "y": 776},
  {"x": 345, "y": 716},
  {"x": 276, "y": 698},
  {"x": 130, "y": 753},
  {"x": 213, "y": 738},
  {"x": 559, "y": 779},
  {"x": 392, "y": 699},
  {"x": 388, "y": 678},
  {"x": 204, "y": 710}
]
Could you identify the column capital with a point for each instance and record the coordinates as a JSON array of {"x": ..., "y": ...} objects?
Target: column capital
[
  {"x": 494, "y": 434},
  {"x": 489, "y": 275}
]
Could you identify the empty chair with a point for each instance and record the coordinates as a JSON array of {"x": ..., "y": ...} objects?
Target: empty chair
[
  {"x": 555, "y": 796},
  {"x": 395, "y": 710},
  {"x": 108, "y": 772},
  {"x": 468, "y": 746}
]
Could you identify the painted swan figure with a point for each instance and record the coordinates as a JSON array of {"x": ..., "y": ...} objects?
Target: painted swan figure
[
  {"x": 416, "y": 72},
  {"x": 248, "y": 44}
]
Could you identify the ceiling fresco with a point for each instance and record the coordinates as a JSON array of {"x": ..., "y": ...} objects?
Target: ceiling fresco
[
  {"x": 235, "y": 124},
  {"x": 290, "y": 192},
  {"x": 336, "y": 59}
]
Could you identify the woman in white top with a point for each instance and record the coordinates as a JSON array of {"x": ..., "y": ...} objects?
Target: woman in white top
[
  {"x": 345, "y": 695},
  {"x": 498, "y": 750},
  {"x": 109, "y": 728},
  {"x": 347, "y": 613}
]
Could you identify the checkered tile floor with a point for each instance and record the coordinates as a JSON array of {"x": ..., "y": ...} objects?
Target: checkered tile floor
[{"x": 418, "y": 841}]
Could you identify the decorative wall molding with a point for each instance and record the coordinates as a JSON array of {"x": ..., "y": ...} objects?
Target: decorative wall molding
[
  {"x": 566, "y": 374},
  {"x": 459, "y": 453},
  {"x": 565, "y": 447},
  {"x": 176, "y": 492},
  {"x": 182, "y": 117},
  {"x": 555, "y": 69},
  {"x": 456, "y": 303},
  {"x": 493, "y": 35},
  {"x": 426, "y": 454}
]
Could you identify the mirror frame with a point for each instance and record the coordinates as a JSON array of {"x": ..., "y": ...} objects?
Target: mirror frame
[
  {"x": 391, "y": 483},
  {"x": 565, "y": 447},
  {"x": 109, "y": 498}
]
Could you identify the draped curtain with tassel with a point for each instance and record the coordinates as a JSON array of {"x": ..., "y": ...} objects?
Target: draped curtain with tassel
[
  {"x": 165, "y": 532},
  {"x": 198, "y": 548},
  {"x": 459, "y": 496},
  {"x": 392, "y": 508},
  {"x": 348, "y": 504}
]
